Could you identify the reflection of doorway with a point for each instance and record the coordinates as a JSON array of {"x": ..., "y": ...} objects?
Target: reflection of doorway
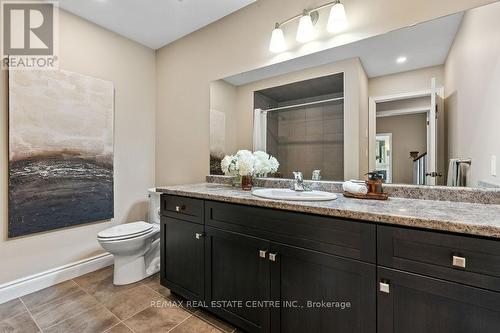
[
  {"x": 383, "y": 163},
  {"x": 409, "y": 134},
  {"x": 405, "y": 104}
]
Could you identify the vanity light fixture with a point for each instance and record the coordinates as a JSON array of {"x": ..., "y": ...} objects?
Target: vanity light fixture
[
  {"x": 305, "y": 32},
  {"x": 337, "y": 22},
  {"x": 277, "y": 44}
]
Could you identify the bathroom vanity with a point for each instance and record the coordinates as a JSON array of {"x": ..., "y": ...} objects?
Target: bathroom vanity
[{"x": 339, "y": 266}]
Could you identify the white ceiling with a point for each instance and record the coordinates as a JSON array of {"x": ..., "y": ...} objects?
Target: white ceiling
[
  {"x": 426, "y": 44},
  {"x": 153, "y": 23}
]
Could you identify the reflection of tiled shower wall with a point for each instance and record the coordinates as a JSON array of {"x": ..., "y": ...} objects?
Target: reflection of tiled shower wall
[
  {"x": 272, "y": 140},
  {"x": 307, "y": 139}
]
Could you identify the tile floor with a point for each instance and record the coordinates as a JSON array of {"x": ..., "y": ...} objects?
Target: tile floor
[{"x": 91, "y": 303}]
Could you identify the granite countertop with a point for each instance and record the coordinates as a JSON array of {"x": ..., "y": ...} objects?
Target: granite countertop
[{"x": 460, "y": 217}]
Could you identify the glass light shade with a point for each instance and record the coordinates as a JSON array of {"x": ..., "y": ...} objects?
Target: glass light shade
[
  {"x": 337, "y": 21},
  {"x": 305, "y": 32},
  {"x": 277, "y": 43}
]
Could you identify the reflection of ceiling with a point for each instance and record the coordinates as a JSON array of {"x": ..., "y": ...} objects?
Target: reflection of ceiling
[
  {"x": 153, "y": 23},
  {"x": 306, "y": 89},
  {"x": 426, "y": 44}
]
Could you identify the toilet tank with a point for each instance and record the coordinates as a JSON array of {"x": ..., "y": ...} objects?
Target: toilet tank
[{"x": 154, "y": 206}]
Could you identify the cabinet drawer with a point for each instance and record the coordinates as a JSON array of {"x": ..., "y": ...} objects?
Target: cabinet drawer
[
  {"x": 330, "y": 235},
  {"x": 463, "y": 259},
  {"x": 182, "y": 208}
]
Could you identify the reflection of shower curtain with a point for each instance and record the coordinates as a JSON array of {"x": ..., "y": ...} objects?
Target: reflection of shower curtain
[{"x": 259, "y": 130}]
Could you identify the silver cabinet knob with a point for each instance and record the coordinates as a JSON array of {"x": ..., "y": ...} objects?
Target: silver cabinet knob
[
  {"x": 262, "y": 253},
  {"x": 385, "y": 287},
  {"x": 273, "y": 256},
  {"x": 199, "y": 235},
  {"x": 458, "y": 261}
]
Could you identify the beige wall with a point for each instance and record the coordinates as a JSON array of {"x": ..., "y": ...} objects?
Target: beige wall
[
  {"x": 415, "y": 80},
  {"x": 409, "y": 133},
  {"x": 472, "y": 93},
  {"x": 238, "y": 43},
  {"x": 223, "y": 99},
  {"x": 88, "y": 49}
]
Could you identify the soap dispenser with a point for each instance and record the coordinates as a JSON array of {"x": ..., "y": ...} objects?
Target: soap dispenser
[{"x": 374, "y": 182}]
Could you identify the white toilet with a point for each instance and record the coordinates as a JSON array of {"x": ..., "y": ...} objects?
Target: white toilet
[{"x": 135, "y": 246}]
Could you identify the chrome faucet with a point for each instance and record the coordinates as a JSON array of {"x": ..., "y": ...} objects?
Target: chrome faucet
[{"x": 298, "y": 182}]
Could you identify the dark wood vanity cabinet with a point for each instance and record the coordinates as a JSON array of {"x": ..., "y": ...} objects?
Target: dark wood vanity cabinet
[
  {"x": 237, "y": 274},
  {"x": 182, "y": 247},
  {"x": 321, "y": 292},
  {"x": 303, "y": 289},
  {"x": 266, "y": 270},
  {"x": 437, "y": 282},
  {"x": 183, "y": 257},
  {"x": 412, "y": 303},
  {"x": 299, "y": 263}
]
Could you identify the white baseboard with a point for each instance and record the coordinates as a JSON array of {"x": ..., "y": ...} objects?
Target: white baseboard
[{"x": 32, "y": 283}]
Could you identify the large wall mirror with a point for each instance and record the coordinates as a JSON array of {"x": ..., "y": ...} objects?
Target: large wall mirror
[{"x": 420, "y": 105}]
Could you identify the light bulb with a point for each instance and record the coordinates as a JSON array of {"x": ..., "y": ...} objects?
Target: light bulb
[
  {"x": 401, "y": 60},
  {"x": 305, "y": 32},
  {"x": 277, "y": 43},
  {"x": 337, "y": 21}
]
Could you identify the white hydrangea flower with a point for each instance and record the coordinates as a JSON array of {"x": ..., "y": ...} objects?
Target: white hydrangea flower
[
  {"x": 246, "y": 162},
  {"x": 229, "y": 165},
  {"x": 262, "y": 155},
  {"x": 274, "y": 164},
  {"x": 265, "y": 163},
  {"x": 262, "y": 165},
  {"x": 244, "y": 153}
]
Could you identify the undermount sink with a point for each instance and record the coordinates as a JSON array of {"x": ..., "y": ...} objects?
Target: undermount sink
[{"x": 287, "y": 194}]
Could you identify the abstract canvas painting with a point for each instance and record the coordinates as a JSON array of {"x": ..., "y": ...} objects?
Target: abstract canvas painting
[{"x": 60, "y": 150}]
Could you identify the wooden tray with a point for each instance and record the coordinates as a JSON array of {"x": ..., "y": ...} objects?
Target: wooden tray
[{"x": 369, "y": 196}]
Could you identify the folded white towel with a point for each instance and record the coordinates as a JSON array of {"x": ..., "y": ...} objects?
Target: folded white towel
[{"x": 354, "y": 188}]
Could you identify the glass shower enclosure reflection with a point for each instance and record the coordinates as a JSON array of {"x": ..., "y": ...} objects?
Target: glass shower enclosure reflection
[{"x": 302, "y": 125}]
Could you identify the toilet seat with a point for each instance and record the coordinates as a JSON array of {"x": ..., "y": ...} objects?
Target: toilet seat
[{"x": 126, "y": 231}]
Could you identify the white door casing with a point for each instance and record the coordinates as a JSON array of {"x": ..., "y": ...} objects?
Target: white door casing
[{"x": 431, "y": 127}]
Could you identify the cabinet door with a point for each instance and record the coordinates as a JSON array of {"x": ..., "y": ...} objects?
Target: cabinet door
[
  {"x": 182, "y": 268},
  {"x": 411, "y": 303},
  {"x": 237, "y": 273},
  {"x": 321, "y": 292}
]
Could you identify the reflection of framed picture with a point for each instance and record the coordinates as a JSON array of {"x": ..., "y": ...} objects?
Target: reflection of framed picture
[{"x": 60, "y": 150}]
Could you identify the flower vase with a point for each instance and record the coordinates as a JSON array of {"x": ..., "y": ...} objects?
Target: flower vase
[
  {"x": 237, "y": 181},
  {"x": 246, "y": 183}
]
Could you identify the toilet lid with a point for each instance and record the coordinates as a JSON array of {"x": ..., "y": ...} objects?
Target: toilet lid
[{"x": 127, "y": 229}]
